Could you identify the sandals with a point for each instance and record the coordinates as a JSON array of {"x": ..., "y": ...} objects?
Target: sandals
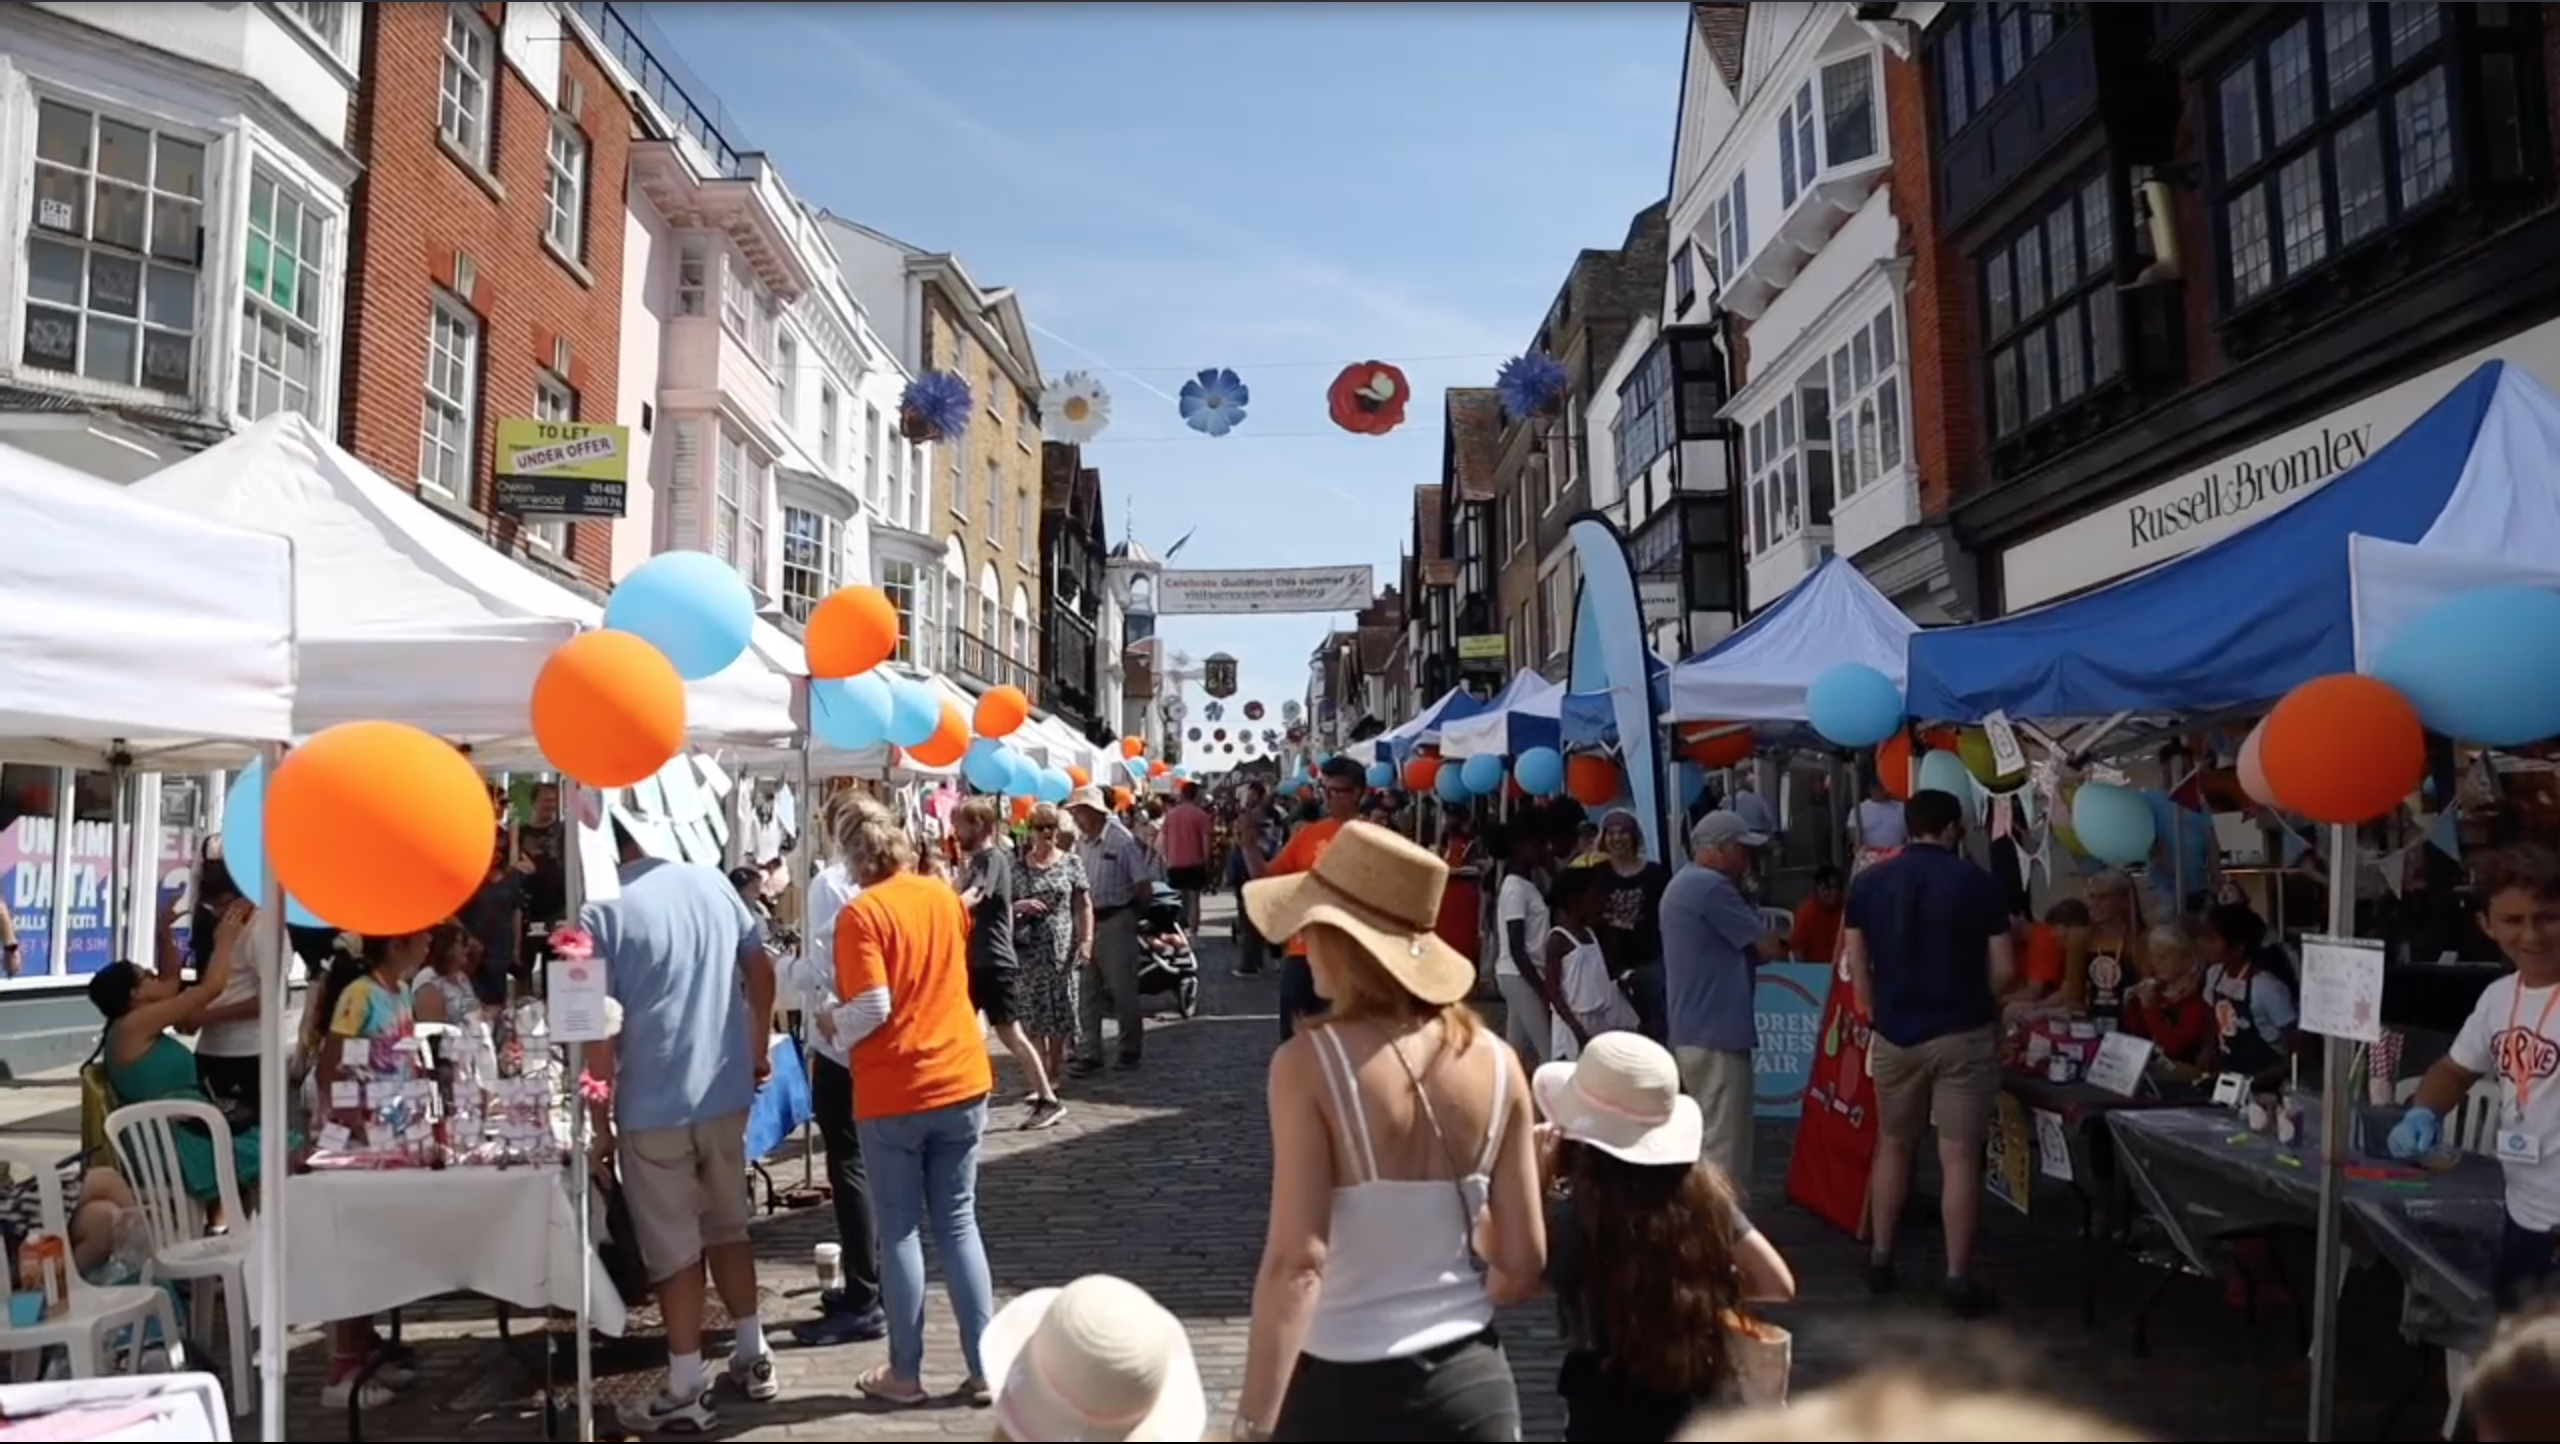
[{"x": 881, "y": 1386}]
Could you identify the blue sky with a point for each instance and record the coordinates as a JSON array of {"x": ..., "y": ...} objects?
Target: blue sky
[{"x": 1284, "y": 190}]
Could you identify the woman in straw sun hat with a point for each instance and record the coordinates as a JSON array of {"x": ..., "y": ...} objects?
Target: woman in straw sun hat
[
  {"x": 1096, "y": 1360},
  {"x": 1649, "y": 1255},
  {"x": 1403, "y": 1170}
]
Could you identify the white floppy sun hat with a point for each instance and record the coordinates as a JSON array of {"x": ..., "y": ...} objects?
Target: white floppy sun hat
[
  {"x": 1622, "y": 1096},
  {"x": 1097, "y": 1360}
]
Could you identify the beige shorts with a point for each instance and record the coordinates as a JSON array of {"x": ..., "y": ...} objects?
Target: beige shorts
[
  {"x": 1957, "y": 1076},
  {"x": 687, "y": 1188}
]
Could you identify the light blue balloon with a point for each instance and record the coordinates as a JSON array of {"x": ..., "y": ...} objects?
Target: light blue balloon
[
  {"x": 2483, "y": 667},
  {"x": 244, "y": 842},
  {"x": 1539, "y": 771},
  {"x": 2114, "y": 824},
  {"x": 1055, "y": 786},
  {"x": 1021, "y": 775},
  {"x": 1451, "y": 785},
  {"x": 915, "y": 712},
  {"x": 1482, "y": 774},
  {"x": 850, "y": 712},
  {"x": 1381, "y": 775},
  {"x": 1853, "y": 705},
  {"x": 1945, "y": 772},
  {"x": 691, "y": 606},
  {"x": 984, "y": 765}
]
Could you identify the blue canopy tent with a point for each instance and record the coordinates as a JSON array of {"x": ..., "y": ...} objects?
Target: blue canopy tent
[
  {"x": 1543, "y": 716},
  {"x": 1456, "y": 705},
  {"x": 2242, "y": 621}
]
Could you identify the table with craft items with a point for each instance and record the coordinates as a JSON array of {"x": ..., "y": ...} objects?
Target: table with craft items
[
  {"x": 2206, "y": 1177},
  {"x": 2056, "y": 1132}
]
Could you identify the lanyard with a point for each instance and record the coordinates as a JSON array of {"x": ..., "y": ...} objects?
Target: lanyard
[{"x": 2515, "y": 1006}]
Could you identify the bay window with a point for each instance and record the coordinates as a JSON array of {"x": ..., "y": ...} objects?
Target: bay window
[
  {"x": 1729, "y": 220},
  {"x": 1849, "y": 110},
  {"x": 1797, "y": 157},
  {"x": 112, "y": 251},
  {"x": 2052, "y": 316},
  {"x": 693, "y": 278},
  {"x": 738, "y": 513},
  {"x": 737, "y": 299},
  {"x": 812, "y": 560},
  {"x": 1642, "y": 431},
  {"x": 283, "y": 278},
  {"x": 913, "y": 598},
  {"x": 1787, "y": 462},
  {"x": 2328, "y": 134},
  {"x": 1866, "y": 405},
  {"x": 1985, "y": 48}
]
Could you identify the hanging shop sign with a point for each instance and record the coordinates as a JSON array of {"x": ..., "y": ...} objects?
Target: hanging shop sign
[
  {"x": 563, "y": 468},
  {"x": 1218, "y": 676},
  {"x": 1486, "y": 647},
  {"x": 2250, "y": 485},
  {"x": 1284, "y": 589}
]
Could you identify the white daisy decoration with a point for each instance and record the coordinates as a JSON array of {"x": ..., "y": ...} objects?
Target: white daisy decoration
[{"x": 1075, "y": 408}]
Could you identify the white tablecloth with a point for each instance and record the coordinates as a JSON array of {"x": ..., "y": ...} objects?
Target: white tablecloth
[{"x": 362, "y": 1243}]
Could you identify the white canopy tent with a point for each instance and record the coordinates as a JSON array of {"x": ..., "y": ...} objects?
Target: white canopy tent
[
  {"x": 127, "y": 624},
  {"x": 1761, "y": 673},
  {"x": 2499, "y": 528},
  {"x": 1489, "y": 731},
  {"x": 408, "y": 617}
]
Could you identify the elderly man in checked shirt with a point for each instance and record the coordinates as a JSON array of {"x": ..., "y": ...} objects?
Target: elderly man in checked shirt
[{"x": 1120, "y": 872}]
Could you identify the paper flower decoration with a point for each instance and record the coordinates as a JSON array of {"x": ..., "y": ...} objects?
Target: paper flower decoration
[
  {"x": 1530, "y": 384},
  {"x": 1368, "y": 398},
  {"x": 936, "y": 405},
  {"x": 1075, "y": 409},
  {"x": 1213, "y": 402},
  {"x": 572, "y": 943}
]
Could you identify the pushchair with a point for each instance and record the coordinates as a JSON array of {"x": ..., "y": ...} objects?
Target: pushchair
[{"x": 1166, "y": 964}]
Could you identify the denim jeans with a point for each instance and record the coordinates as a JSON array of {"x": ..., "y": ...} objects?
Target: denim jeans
[{"x": 924, "y": 1174}]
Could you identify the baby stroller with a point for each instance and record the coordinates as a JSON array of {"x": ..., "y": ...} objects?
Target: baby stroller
[{"x": 1165, "y": 960}]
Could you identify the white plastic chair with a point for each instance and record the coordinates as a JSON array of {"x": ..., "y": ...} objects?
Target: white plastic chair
[
  {"x": 1779, "y": 921},
  {"x": 145, "y": 1139},
  {"x": 87, "y": 1331}
]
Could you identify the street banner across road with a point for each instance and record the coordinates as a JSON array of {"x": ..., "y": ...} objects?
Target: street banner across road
[{"x": 1279, "y": 589}]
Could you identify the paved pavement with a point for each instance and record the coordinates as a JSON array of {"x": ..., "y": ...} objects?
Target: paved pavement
[{"x": 1161, "y": 1176}]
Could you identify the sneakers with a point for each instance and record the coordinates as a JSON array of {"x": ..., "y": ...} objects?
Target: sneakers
[
  {"x": 664, "y": 1413},
  {"x": 840, "y": 1326},
  {"x": 1045, "y": 1113},
  {"x": 754, "y": 1378},
  {"x": 344, "y": 1393}
]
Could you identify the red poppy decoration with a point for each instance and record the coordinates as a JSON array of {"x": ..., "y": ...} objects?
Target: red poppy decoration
[{"x": 1368, "y": 398}]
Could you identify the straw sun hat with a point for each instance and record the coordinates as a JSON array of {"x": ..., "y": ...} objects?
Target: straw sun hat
[
  {"x": 1089, "y": 796},
  {"x": 1622, "y": 1096},
  {"x": 1384, "y": 894},
  {"x": 1098, "y": 1359}
]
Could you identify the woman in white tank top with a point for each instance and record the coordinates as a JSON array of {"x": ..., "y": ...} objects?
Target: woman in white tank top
[{"x": 1403, "y": 1166}]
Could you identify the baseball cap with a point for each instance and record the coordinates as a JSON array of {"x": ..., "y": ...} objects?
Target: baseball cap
[{"x": 1724, "y": 829}]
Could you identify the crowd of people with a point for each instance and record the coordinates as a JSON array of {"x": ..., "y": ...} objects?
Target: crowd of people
[{"x": 1428, "y": 1168}]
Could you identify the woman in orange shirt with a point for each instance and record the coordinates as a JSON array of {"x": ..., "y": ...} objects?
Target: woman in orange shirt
[{"x": 920, "y": 1083}]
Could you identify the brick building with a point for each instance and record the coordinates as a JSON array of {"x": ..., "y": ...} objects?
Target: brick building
[
  {"x": 2220, "y": 253},
  {"x": 485, "y": 265}
]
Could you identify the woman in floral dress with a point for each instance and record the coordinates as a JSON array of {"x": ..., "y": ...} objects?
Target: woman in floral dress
[{"x": 1052, "y": 935}]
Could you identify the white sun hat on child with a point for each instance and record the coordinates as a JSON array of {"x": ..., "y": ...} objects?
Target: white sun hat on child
[
  {"x": 1622, "y": 1096},
  {"x": 1097, "y": 1360}
]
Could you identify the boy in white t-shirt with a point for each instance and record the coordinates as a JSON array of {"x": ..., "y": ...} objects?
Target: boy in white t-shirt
[
  {"x": 2513, "y": 1039},
  {"x": 1520, "y": 936}
]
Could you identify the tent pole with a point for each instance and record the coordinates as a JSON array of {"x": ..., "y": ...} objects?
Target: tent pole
[
  {"x": 2337, "y": 1064},
  {"x": 267, "y": 1230}
]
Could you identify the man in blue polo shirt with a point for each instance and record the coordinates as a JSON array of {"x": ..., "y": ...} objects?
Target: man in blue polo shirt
[{"x": 1927, "y": 948}]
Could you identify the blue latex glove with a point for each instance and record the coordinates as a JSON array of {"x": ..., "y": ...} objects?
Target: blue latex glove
[{"x": 2414, "y": 1136}]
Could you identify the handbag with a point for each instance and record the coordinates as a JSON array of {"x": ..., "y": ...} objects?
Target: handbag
[{"x": 1763, "y": 1359}]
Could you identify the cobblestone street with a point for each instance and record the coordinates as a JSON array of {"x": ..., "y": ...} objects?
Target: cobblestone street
[{"x": 1161, "y": 1176}]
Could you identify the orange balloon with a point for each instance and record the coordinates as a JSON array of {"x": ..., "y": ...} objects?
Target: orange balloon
[
  {"x": 381, "y": 828},
  {"x": 1159, "y": 767},
  {"x": 1132, "y": 746},
  {"x": 608, "y": 710},
  {"x": 1592, "y": 780},
  {"x": 1942, "y": 739},
  {"x": 1119, "y": 799},
  {"x": 1078, "y": 777},
  {"x": 1421, "y": 773},
  {"x": 1002, "y": 712},
  {"x": 949, "y": 742},
  {"x": 1022, "y": 808},
  {"x": 1893, "y": 765},
  {"x": 1707, "y": 745},
  {"x": 851, "y": 631},
  {"x": 2340, "y": 749}
]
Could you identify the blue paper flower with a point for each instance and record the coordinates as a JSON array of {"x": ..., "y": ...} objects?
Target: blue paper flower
[
  {"x": 1213, "y": 402},
  {"x": 935, "y": 405},
  {"x": 1530, "y": 385}
]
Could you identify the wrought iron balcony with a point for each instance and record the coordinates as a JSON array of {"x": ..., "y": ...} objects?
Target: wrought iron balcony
[{"x": 983, "y": 661}]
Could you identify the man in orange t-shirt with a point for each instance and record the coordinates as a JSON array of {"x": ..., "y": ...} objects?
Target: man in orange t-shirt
[{"x": 1344, "y": 785}]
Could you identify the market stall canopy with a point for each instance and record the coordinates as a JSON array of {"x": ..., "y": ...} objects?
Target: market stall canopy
[
  {"x": 2244, "y": 620},
  {"x": 408, "y": 617},
  {"x": 1397, "y": 743},
  {"x": 2500, "y": 528},
  {"x": 1590, "y": 719},
  {"x": 1529, "y": 719},
  {"x": 124, "y": 623},
  {"x": 1761, "y": 672}
]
